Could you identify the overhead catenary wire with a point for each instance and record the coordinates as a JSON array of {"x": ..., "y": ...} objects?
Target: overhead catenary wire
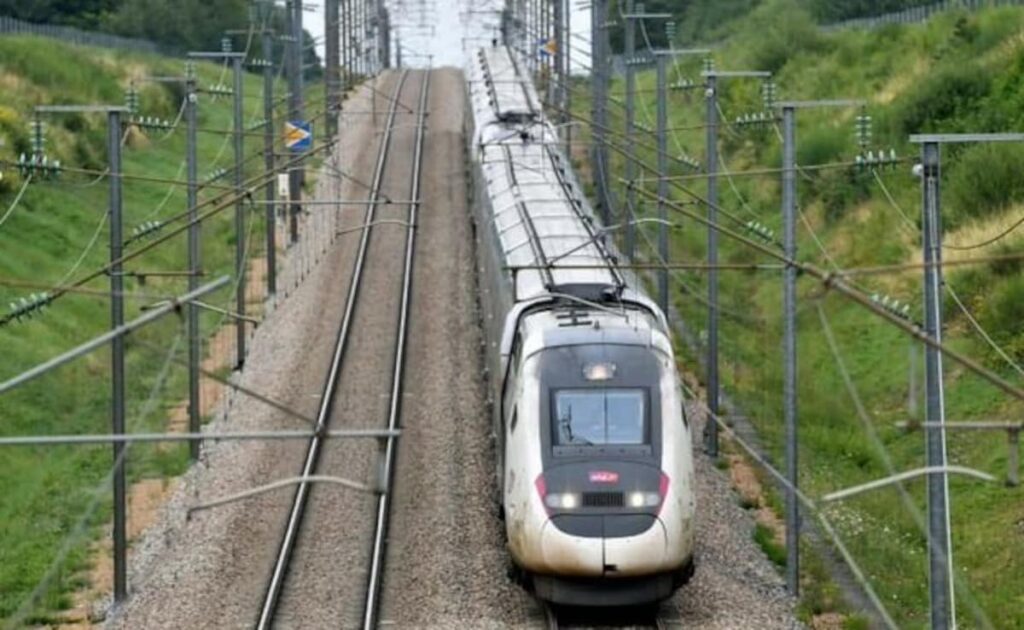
[
  {"x": 989, "y": 241},
  {"x": 892, "y": 202},
  {"x": 84, "y": 524},
  {"x": 811, "y": 506},
  {"x": 836, "y": 282},
  {"x": 883, "y": 452},
  {"x": 85, "y": 252},
  {"x": 982, "y": 332},
  {"x": 218, "y": 207},
  {"x": 821, "y": 245},
  {"x": 17, "y": 200}
]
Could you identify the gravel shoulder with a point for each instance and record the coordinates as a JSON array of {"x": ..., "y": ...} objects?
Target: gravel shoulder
[
  {"x": 209, "y": 571},
  {"x": 735, "y": 585},
  {"x": 326, "y": 581},
  {"x": 446, "y": 558}
]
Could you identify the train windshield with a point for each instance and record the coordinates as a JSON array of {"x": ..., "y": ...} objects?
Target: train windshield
[{"x": 600, "y": 417}]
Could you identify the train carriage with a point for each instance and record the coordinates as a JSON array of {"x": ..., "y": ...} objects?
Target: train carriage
[{"x": 594, "y": 462}]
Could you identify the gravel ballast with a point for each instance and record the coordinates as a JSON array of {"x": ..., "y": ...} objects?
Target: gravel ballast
[{"x": 210, "y": 571}]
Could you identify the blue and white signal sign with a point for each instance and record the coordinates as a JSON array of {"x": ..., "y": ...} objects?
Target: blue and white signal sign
[{"x": 298, "y": 135}]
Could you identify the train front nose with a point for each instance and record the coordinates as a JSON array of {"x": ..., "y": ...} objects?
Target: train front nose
[
  {"x": 603, "y": 545},
  {"x": 603, "y": 520},
  {"x": 602, "y": 542}
]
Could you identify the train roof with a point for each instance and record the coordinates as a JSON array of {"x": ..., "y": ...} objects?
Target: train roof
[
  {"x": 510, "y": 95},
  {"x": 544, "y": 223}
]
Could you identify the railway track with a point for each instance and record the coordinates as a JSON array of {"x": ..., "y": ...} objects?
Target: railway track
[
  {"x": 298, "y": 531},
  {"x": 555, "y": 619}
]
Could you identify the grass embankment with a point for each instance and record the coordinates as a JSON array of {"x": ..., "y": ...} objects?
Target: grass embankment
[
  {"x": 961, "y": 72},
  {"x": 47, "y": 492}
]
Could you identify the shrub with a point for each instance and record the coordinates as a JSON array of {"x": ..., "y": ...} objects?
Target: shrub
[
  {"x": 840, "y": 191},
  {"x": 778, "y": 31},
  {"x": 985, "y": 179},
  {"x": 941, "y": 98},
  {"x": 1002, "y": 313}
]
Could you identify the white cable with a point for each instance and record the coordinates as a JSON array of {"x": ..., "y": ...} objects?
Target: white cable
[
  {"x": 17, "y": 199},
  {"x": 85, "y": 252},
  {"x": 83, "y": 526}
]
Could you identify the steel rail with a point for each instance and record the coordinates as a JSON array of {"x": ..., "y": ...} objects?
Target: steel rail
[
  {"x": 375, "y": 577},
  {"x": 277, "y": 578}
]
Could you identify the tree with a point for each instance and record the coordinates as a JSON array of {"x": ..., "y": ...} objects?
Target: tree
[{"x": 86, "y": 14}]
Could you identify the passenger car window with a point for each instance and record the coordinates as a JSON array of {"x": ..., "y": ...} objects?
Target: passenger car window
[{"x": 600, "y": 417}]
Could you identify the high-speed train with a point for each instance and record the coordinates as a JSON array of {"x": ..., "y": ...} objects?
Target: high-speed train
[{"x": 593, "y": 448}]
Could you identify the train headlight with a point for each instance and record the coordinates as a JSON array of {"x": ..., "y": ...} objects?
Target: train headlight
[
  {"x": 562, "y": 500},
  {"x": 599, "y": 371},
  {"x": 643, "y": 499}
]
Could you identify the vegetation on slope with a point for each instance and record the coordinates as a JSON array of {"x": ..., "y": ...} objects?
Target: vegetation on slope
[
  {"x": 960, "y": 72},
  {"x": 58, "y": 496},
  {"x": 177, "y": 25}
]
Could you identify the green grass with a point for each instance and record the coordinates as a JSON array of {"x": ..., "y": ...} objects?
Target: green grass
[
  {"x": 959, "y": 72},
  {"x": 765, "y": 539},
  {"x": 46, "y": 492}
]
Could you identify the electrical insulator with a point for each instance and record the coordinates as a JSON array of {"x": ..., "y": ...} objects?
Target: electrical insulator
[
  {"x": 216, "y": 174},
  {"x": 38, "y": 165},
  {"x": 38, "y": 130},
  {"x": 768, "y": 94},
  {"x": 26, "y": 307},
  {"x": 145, "y": 229},
  {"x": 131, "y": 100}
]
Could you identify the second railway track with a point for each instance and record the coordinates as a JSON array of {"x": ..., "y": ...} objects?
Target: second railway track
[{"x": 330, "y": 564}]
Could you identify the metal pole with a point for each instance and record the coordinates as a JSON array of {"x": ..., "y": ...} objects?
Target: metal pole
[
  {"x": 364, "y": 35},
  {"x": 566, "y": 100},
  {"x": 599, "y": 71},
  {"x": 343, "y": 43},
  {"x": 385, "y": 31},
  {"x": 789, "y": 349},
  {"x": 346, "y": 10},
  {"x": 940, "y": 569},
  {"x": 560, "y": 43},
  {"x": 240, "y": 271},
  {"x": 295, "y": 113},
  {"x": 194, "y": 261},
  {"x": 663, "y": 249},
  {"x": 912, "y": 378},
  {"x": 268, "y": 161},
  {"x": 117, "y": 355},
  {"x": 549, "y": 60},
  {"x": 711, "y": 428},
  {"x": 630, "y": 240},
  {"x": 332, "y": 78}
]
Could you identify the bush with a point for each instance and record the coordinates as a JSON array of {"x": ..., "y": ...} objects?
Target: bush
[
  {"x": 1009, "y": 266},
  {"x": 945, "y": 98},
  {"x": 840, "y": 192},
  {"x": 985, "y": 179},
  {"x": 778, "y": 31},
  {"x": 1002, "y": 314}
]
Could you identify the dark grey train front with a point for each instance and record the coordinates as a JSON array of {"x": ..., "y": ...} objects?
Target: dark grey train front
[{"x": 594, "y": 453}]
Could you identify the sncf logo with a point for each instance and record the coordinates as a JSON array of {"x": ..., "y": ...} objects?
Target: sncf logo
[{"x": 604, "y": 476}]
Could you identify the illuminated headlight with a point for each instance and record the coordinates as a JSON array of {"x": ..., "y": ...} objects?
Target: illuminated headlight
[
  {"x": 599, "y": 371},
  {"x": 562, "y": 501},
  {"x": 643, "y": 499}
]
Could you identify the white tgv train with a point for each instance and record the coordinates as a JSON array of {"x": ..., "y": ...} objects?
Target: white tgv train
[{"x": 594, "y": 451}]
